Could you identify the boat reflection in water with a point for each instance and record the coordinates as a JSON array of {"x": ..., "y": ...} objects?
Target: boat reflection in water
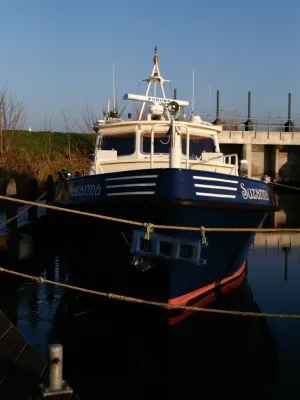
[
  {"x": 129, "y": 349},
  {"x": 103, "y": 269}
]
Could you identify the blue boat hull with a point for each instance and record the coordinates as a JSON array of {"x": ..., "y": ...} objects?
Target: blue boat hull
[{"x": 169, "y": 197}]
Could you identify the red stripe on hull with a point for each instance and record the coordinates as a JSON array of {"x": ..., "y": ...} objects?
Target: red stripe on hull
[{"x": 208, "y": 294}]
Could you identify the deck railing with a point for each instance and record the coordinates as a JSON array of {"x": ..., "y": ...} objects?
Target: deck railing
[
  {"x": 269, "y": 124},
  {"x": 229, "y": 159}
]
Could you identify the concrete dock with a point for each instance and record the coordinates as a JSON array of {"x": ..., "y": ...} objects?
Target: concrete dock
[{"x": 274, "y": 153}]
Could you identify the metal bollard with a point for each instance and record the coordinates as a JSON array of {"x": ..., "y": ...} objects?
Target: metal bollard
[
  {"x": 56, "y": 384},
  {"x": 55, "y": 366}
]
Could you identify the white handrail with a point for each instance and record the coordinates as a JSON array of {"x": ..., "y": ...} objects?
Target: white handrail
[
  {"x": 187, "y": 149},
  {"x": 152, "y": 143},
  {"x": 228, "y": 156},
  {"x": 223, "y": 156},
  {"x": 187, "y": 142}
]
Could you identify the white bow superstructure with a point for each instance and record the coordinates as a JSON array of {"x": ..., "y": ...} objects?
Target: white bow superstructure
[{"x": 157, "y": 137}]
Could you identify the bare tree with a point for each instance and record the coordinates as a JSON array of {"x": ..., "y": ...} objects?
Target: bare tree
[
  {"x": 135, "y": 112},
  {"x": 69, "y": 126},
  {"x": 120, "y": 107},
  {"x": 12, "y": 118},
  {"x": 88, "y": 119}
]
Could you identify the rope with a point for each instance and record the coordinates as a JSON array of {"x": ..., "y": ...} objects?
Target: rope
[
  {"x": 203, "y": 237},
  {"x": 151, "y": 303},
  {"x": 286, "y": 186},
  {"x": 21, "y": 212},
  {"x": 56, "y": 208},
  {"x": 149, "y": 226}
]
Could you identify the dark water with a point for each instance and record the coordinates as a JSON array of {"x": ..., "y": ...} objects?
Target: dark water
[{"x": 116, "y": 349}]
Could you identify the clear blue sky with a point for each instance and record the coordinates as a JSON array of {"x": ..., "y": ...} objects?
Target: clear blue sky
[{"x": 58, "y": 53}]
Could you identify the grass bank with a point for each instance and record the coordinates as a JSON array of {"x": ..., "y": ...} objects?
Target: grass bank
[{"x": 46, "y": 152}]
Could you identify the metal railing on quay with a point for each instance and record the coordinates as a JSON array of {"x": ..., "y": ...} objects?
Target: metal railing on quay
[{"x": 257, "y": 123}]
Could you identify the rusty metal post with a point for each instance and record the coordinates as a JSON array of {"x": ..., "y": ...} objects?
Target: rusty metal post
[
  {"x": 249, "y": 123},
  {"x": 33, "y": 194},
  {"x": 11, "y": 208},
  {"x": 50, "y": 189},
  {"x": 289, "y": 125},
  {"x": 218, "y": 120}
]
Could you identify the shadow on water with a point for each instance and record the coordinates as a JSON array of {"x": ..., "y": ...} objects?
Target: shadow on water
[
  {"x": 30, "y": 305},
  {"x": 124, "y": 349},
  {"x": 129, "y": 350},
  {"x": 119, "y": 349}
]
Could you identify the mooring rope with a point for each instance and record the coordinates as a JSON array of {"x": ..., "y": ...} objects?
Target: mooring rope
[
  {"x": 7, "y": 221},
  {"x": 285, "y": 186},
  {"x": 129, "y": 299},
  {"x": 149, "y": 226}
]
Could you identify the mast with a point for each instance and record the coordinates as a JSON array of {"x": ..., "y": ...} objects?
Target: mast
[
  {"x": 155, "y": 78},
  {"x": 113, "y": 86},
  {"x": 193, "y": 93}
]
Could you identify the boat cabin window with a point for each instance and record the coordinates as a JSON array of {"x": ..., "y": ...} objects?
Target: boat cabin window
[
  {"x": 124, "y": 144},
  {"x": 197, "y": 146},
  {"x": 161, "y": 144}
]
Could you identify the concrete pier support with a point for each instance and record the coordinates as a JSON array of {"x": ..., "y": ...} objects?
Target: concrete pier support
[
  {"x": 276, "y": 219},
  {"x": 279, "y": 219},
  {"x": 275, "y": 162},
  {"x": 247, "y": 156}
]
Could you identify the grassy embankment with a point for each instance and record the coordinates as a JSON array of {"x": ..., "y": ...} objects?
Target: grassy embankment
[{"x": 45, "y": 152}]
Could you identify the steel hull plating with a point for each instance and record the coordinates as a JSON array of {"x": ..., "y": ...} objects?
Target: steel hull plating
[{"x": 168, "y": 197}]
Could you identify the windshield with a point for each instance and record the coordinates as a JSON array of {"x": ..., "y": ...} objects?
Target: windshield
[
  {"x": 197, "y": 146},
  {"x": 124, "y": 145},
  {"x": 162, "y": 145}
]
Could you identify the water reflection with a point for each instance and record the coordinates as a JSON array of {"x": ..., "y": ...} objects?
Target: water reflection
[
  {"x": 275, "y": 285},
  {"x": 30, "y": 305},
  {"x": 133, "y": 348},
  {"x": 129, "y": 350},
  {"x": 287, "y": 251}
]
